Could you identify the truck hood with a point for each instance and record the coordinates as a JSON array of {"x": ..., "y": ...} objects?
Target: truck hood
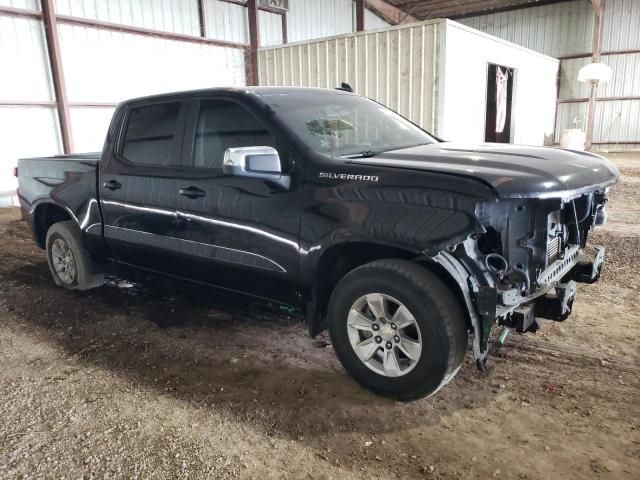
[{"x": 513, "y": 171}]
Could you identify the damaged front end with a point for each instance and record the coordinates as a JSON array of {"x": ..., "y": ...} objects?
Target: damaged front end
[{"x": 525, "y": 262}]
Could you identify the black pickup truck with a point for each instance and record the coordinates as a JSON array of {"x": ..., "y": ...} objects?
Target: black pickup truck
[{"x": 398, "y": 243}]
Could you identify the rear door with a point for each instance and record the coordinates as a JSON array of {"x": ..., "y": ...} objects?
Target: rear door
[
  {"x": 241, "y": 233},
  {"x": 138, "y": 190}
]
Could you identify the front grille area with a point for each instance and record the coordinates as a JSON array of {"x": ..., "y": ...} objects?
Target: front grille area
[{"x": 554, "y": 248}]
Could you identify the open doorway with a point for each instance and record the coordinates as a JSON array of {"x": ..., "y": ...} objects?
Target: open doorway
[{"x": 499, "y": 103}]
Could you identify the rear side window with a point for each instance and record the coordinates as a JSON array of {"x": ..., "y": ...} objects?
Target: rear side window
[
  {"x": 223, "y": 124},
  {"x": 150, "y": 135}
]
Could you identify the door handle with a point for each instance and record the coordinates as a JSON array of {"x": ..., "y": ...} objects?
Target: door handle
[
  {"x": 191, "y": 192},
  {"x": 112, "y": 185}
]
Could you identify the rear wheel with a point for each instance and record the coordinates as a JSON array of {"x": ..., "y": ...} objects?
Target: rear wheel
[
  {"x": 69, "y": 261},
  {"x": 397, "y": 329}
]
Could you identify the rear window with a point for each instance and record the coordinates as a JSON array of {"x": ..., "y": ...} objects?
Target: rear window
[{"x": 150, "y": 135}]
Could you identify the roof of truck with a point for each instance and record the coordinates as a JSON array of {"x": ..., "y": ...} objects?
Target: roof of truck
[{"x": 260, "y": 91}]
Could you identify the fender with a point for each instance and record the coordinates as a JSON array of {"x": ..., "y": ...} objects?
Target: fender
[{"x": 463, "y": 279}]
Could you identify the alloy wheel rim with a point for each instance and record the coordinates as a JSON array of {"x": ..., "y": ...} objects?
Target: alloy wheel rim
[
  {"x": 64, "y": 262},
  {"x": 384, "y": 334}
]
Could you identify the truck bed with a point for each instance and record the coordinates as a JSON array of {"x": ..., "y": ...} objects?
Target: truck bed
[{"x": 70, "y": 181}]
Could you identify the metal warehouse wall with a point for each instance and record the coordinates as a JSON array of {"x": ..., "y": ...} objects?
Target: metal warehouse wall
[
  {"x": 395, "y": 66},
  {"x": 111, "y": 50},
  {"x": 433, "y": 73},
  {"x": 162, "y": 48},
  {"x": 310, "y": 19},
  {"x": 565, "y": 31}
]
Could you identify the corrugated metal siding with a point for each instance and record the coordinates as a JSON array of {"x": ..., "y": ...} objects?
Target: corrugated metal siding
[
  {"x": 89, "y": 127},
  {"x": 570, "y": 87},
  {"x": 308, "y": 19},
  {"x": 557, "y": 30},
  {"x": 373, "y": 22},
  {"x": 18, "y": 126},
  {"x": 567, "y": 29},
  {"x": 227, "y": 21},
  {"x": 270, "y": 28},
  {"x": 395, "y": 67},
  {"x": 179, "y": 16},
  {"x": 26, "y": 4},
  {"x": 23, "y": 57},
  {"x": 625, "y": 81},
  {"x": 107, "y": 66},
  {"x": 618, "y": 121},
  {"x": 615, "y": 120},
  {"x": 620, "y": 29},
  {"x": 565, "y": 116}
]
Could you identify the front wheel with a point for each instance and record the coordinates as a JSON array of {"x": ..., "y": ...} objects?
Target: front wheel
[{"x": 397, "y": 329}]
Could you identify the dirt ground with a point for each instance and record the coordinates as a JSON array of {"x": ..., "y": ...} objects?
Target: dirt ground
[{"x": 157, "y": 382}]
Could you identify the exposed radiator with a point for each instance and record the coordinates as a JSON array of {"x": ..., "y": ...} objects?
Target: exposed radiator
[{"x": 554, "y": 248}]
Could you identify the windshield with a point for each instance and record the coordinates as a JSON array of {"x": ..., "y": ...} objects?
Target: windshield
[{"x": 341, "y": 125}]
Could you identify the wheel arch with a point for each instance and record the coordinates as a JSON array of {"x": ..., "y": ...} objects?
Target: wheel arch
[
  {"x": 340, "y": 259},
  {"x": 46, "y": 214}
]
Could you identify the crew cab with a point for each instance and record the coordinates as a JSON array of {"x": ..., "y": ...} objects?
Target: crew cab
[{"x": 399, "y": 243}]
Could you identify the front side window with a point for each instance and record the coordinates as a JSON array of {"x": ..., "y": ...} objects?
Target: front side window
[
  {"x": 150, "y": 135},
  {"x": 342, "y": 125},
  {"x": 223, "y": 124}
]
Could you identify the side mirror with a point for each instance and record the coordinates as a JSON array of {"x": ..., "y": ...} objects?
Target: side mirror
[{"x": 255, "y": 162}]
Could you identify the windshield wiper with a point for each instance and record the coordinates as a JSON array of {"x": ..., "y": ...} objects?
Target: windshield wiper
[{"x": 363, "y": 154}]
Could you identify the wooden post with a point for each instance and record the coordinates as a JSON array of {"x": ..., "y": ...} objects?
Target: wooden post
[
  {"x": 359, "y": 15},
  {"x": 55, "y": 61},
  {"x": 254, "y": 43}
]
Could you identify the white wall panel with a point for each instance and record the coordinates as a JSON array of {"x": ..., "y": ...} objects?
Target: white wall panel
[
  {"x": 106, "y": 66},
  {"x": 179, "y": 16},
  {"x": 227, "y": 21},
  {"x": 23, "y": 61},
  {"x": 467, "y": 54},
  {"x": 395, "y": 67},
  {"x": 19, "y": 127},
  {"x": 557, "y": 30},
  {"x": 26, "y": 4},
  {"x": 89, "y": 126},
  {"x": 308, "y": 19},
  {"x": 270, "y": 28}
]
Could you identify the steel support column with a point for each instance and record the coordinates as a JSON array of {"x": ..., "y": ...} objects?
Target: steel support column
[
  {"x": 285, "y": 33},
  {"x": 55, "y": 61},
  {"x": 202, "y": 18},
  {"x": 598, "y": 16},
  {"x": 251, "y": 58}
]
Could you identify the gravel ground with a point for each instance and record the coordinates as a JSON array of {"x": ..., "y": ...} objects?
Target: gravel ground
[{"x": 153, "y": 381}]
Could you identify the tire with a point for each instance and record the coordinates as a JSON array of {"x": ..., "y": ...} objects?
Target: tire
[
  {"x": 79, "y": 272},
  {"x": 435, "y": 320}
]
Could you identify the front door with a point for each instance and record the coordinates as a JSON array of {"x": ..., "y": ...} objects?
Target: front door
[
  {"x": 238, "y": 232},
  {"x": 138, "y": 191}
]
